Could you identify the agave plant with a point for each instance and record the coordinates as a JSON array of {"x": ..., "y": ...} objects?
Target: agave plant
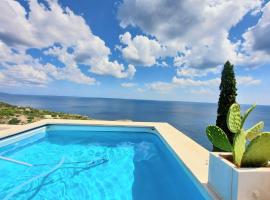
[{"x": 250, "y": 148}]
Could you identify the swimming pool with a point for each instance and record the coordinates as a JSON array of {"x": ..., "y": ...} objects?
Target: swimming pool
[{"x": 94, "y": 162}]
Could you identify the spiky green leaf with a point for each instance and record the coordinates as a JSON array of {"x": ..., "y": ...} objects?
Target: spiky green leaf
[
  {"x": 244, "y": 117},
  {"x": 234, "y": 118},
  {"x": 258, "y": 151},
  {"x": 239, "y": 145},
  {"x": 218, "y": 138},
  {"x": 254, "y": 131}
]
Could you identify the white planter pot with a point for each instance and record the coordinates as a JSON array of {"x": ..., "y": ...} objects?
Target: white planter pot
[{"x": 231, "y": 183}]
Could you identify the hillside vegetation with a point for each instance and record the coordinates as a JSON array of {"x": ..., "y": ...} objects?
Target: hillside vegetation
[{"x": 10, "y": 114}]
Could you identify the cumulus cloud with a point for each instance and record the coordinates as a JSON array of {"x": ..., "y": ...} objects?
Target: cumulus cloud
[
  {"x": 195, "y": 32},
  {"x": 198, "y": 85},
  {"x": 247, "y": 80},
  {"x": 159, "y": 86},
  {"x": 25, "y": 75},
  {"x": 177, "y": 82},
  {"x": 193, "y": 72},
  {"x": 188, "y": 82},
  {"x": 162, "y": 64},
  {"x": 141, "y": 50},
  {"x": 257, "y": 37},
  {"x": 196, "y": 35},
  {"x": 257, "y": 43},
  {"x": 18, "y": 68},
  {"x": 42, "y": 28}
]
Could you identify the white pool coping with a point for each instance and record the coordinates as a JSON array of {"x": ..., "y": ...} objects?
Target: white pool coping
[{"x": 193, "y": 155}]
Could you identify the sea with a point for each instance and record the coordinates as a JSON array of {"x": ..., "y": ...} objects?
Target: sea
[{"x": 191, "y": 118}]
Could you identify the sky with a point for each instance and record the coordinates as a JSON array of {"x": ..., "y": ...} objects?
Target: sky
[{"x": 135, "y": 49}]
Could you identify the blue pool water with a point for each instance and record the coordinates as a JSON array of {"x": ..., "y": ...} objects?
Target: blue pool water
[{"x": 85, "y": 162}]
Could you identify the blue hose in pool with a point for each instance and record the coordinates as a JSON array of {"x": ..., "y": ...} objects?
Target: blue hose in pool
[{"x": 19, "y": 187}]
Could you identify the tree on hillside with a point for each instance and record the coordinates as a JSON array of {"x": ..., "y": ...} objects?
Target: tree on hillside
[{"x": 226, "y": 98}]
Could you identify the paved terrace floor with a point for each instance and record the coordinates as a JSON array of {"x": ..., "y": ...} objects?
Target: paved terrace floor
[
  {"x": 6, "y": 126},
  {"x": 192, "y": 154}
]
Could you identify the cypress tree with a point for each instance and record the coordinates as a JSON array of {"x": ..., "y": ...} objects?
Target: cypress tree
[{"x": 226, "y": 98}]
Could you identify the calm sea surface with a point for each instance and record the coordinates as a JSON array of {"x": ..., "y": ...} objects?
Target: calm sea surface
[{"x": 190, "y": 118}]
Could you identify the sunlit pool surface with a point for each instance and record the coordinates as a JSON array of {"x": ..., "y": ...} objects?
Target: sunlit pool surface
[{"x": 99, "y": 163}]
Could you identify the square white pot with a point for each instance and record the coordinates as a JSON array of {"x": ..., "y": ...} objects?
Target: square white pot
[{"x": 231, "y": 183}]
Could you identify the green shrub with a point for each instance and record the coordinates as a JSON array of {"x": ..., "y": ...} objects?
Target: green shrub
[
  {"x": 7, "y": 112},
  {"x": 14, "y": 121}
]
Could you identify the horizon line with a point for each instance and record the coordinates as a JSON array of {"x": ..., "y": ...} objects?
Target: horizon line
[{"x": 67, "y": 96}]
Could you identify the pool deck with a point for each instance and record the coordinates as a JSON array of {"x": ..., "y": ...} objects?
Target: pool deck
[
  {"x": 7, "y": 126},
  {"x": 194, "y": 156}
]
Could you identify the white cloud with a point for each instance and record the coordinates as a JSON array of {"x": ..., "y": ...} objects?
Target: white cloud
[
  {"x": 196, "y": 34},
  {"x": 247, "y": 80},
  {"x": 70, "y": 73},
  {"x": 188, "y": 82},
  {"x": 128, "y": 85},
  {"x": 18, "y": 68},
  {"x": 193, "y": 72},
  {"x": 141, "y": 50},
  {"x": 24, "y": 75},
  {"x": 257, "y": 37},
  {"x": 198, "y": 30},
  {"x": 208, "y": 86},
  {"x": 257, "y": 43},
  {"x": 165, "y": 87},
  {"x": 42, "y": 28},
  {"x": 162, "y": 87},
  {"x": 162, "y": 64},
  {"x": 113, "y": 68}
]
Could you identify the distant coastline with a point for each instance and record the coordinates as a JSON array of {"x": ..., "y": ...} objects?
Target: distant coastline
[{"x": 18, "y": 115}]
